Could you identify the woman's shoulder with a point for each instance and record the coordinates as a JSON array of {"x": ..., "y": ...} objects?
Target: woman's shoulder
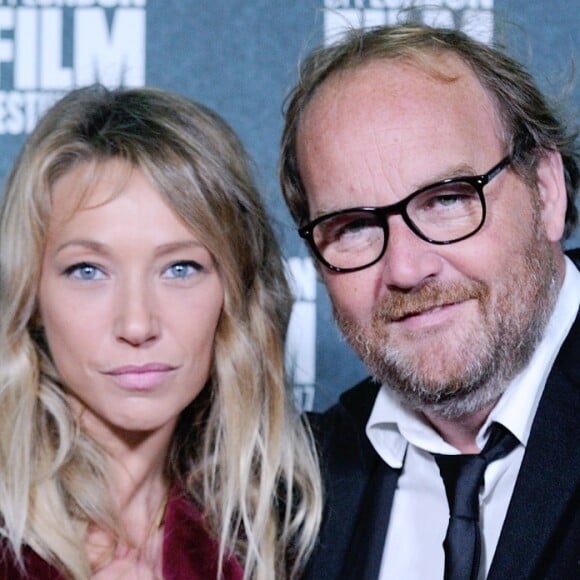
[{"x": 189, "y": 550}]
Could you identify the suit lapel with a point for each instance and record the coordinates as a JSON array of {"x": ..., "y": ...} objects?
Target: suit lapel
[
  {"x": 549, "y": 475},
  {"x": 364, "y": 556},
  {"x": 359, "y": 490}
]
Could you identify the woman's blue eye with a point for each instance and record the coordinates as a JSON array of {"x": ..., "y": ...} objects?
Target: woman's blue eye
[
  {"x": 84, "y": 272},
  {"x": 181, "y": 270}
]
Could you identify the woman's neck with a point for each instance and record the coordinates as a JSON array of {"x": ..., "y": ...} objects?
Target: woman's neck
[{"x": 139, "y": 492}]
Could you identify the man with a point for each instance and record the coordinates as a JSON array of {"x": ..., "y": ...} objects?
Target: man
[{"x": 434, "y": 186}]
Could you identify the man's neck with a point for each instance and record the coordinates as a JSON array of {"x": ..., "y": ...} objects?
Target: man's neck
[{"x": 461, "y": 432}]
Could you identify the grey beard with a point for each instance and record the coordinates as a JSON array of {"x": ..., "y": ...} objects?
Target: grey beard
[{"x": 503, "y": 347}]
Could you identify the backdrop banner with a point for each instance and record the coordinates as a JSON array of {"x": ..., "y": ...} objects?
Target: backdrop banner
[{"x": 240, "y": 58}]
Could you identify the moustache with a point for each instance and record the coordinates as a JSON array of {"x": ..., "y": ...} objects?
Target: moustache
[{"x": 398, "y": 304}]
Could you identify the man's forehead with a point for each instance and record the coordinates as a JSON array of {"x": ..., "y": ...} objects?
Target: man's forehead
[
  {"x": 376, "y": 74},
  {"x": 390, "y": 127},
  {"x": 387, "y": 91}
]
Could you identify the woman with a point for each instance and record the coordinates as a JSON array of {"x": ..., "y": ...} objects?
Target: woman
[{"x": 147, "y": 429}]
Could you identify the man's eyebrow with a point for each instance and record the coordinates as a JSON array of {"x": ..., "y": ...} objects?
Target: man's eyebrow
[
  {"x": 453, "y": 172},
  {"x": 460, "y": 170}
]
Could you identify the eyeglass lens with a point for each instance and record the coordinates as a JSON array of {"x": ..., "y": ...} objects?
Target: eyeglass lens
[{"x": 441, "y": 214}]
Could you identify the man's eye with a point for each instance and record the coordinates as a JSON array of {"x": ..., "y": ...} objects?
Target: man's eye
[
  {"x": 347, "y": 226},
  {"x": 358, "y": 224},
  {"x": 462, "y": 197},
  {"x": 443, "y": 201},
  {"x": 84, "y": 271},
  {"x": 454, "y": 197},
  {"x": 181, "y": 270}
]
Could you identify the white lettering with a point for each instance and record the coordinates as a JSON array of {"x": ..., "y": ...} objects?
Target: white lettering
[
  {"x": 79, "y": 3},
  {"x": 374, "y": 18},
  {"x": 455, "y": 4},
  {"x": 478, "y": 24},
  {"x": 107, "y": 46},
  {"x": 336, "y": 22},
  {"x": 302, "y": 276},
  {"x": 334, "y": 4},
  {"x": 52, "y": 74},
  {"x": 26, "y": 45},
  {"x": 438, "y": 17},
  {"x": 301, "y": 343},
  {"x": 407, "y": 4},
  {"x": 20, "y": 111},
  {"x": 304, "y": 397},
  {"x": 6, "y": 44},
  {"x": 115, "y": 58},
  {"x": 13, "y": 115},
  {"x": 301, "y": 338},
  {"x": 400, "y": 4},
  {"x": 474, "y": 17}
]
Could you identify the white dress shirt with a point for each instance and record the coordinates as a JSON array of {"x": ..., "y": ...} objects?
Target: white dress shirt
[{"x": 420, "y": 513}]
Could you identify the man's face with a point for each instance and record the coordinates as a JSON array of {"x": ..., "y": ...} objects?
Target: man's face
[{"x": 445, "y": 326}]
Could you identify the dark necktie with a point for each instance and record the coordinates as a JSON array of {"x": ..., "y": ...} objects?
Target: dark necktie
[{"x": 463, "y": 476}]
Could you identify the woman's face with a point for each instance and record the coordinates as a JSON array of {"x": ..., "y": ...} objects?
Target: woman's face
[{"x": 129, "y": 300}]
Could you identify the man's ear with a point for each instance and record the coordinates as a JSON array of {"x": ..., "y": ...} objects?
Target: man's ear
[{"x": 552, "y": 194}]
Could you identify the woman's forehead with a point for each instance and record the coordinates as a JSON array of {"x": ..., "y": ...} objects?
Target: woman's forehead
[{"x": 88, "y": 184}]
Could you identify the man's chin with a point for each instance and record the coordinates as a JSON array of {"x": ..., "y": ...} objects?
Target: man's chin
[
  {"x": 445, "y": 359},
  {"x": 449, "y": 400},
  {"x": 446, "y": 378}
]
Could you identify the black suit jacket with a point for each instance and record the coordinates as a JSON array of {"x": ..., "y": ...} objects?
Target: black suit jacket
[{"x": 540, "y": 538}]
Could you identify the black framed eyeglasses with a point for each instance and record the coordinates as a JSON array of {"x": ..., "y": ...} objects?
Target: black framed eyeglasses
[{"x": 445, "y": 212}]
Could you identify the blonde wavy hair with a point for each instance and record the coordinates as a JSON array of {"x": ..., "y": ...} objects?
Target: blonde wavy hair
[{"x": 240, "y": 449}]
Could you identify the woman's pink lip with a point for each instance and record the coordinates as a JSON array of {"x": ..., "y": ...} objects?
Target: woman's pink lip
[
  {"x": 141, "y": 377},
  {"x": 137, "y": 369}
]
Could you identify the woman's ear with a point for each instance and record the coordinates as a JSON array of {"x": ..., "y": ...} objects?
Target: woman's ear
[
  {"x": 552, "y": 194},
  {"x": 36, "y": 319},
  {"x": 36, "y": 330}
]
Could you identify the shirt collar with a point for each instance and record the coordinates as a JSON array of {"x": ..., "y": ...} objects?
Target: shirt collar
[{"x": 391, "y": 426}]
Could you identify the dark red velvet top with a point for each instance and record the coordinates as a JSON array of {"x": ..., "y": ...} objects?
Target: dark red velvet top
[{"x": 189, "y": 553}]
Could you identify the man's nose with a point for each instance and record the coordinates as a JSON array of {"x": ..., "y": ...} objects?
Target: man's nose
[{"x": 408, "y": 260}]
